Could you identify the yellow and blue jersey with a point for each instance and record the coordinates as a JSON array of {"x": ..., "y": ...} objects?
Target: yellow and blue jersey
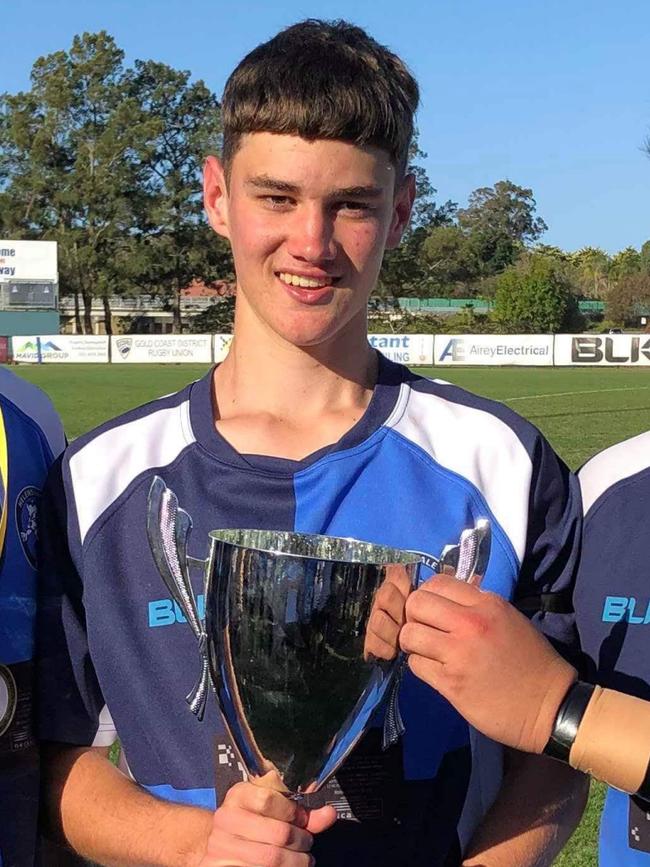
[
  {"x": 30, "y": 438},
  {"x": 426, "y": 460}
]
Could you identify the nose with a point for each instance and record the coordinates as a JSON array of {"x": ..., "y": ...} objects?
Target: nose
[{"x": 311, "y": 238}]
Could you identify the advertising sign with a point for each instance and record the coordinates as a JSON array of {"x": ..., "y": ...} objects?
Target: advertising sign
[
  {"x": 602, "y": 349},
  {"x": 495, "y": 349},
  {"x": 28, "y": 260},
  {"x": 4, "y": 350},
  {"x": 221, "y": 346},
  {"x": 404, "y": 348},
  {"x": 161, "y": 348},
  {"x": 61, "y": 348}
]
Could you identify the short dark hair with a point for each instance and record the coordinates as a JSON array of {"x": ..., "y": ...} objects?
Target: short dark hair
[{"x": 322, "y": 80}]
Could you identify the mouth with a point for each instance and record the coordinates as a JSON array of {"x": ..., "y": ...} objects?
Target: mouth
[{"x": 308, "y": 289}]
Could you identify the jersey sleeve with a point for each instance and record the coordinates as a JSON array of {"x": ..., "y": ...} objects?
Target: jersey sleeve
[
  {"x": 548, "y": 571},
  {"x": 69, "y": 698}
]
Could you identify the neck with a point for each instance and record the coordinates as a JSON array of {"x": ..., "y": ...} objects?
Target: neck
[{"x": 265, "y": 374}]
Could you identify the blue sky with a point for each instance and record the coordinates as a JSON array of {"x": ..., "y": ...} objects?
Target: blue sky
[{"x": 553, "y": 95}]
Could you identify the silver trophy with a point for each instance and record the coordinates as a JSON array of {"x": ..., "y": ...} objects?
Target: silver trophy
[{"x": 301, "y": 635}]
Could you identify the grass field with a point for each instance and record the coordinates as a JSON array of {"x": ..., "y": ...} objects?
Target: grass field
[{"x": 580, "y": 410}]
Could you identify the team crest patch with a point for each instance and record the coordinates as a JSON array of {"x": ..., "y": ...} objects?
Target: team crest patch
[{"x": 27, "y": 504}]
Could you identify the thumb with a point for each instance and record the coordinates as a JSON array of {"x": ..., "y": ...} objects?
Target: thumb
[{"x": 321, "y": 819}]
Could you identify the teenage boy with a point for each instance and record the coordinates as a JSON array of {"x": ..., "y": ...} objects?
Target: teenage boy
[
  {"x": 484, "y": 657},
  {"x": 303, "y": 427},
  {"x": 30, "y": 438}
]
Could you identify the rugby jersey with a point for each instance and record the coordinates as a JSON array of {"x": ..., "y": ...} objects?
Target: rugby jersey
[
  {"x": 426, "y": 460},
  {"x": 612, "y": 605},
  {"x": 33, "y": 438}
]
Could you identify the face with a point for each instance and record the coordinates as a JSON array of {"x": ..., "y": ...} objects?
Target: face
[{"x": 308, "y": 222}]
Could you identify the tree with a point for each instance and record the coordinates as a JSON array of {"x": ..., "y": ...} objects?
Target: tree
[
  {"x": 629, "y": 298},
  {"x": 536, "y": 296},
  {"x": 626, "y": 262},
  {"x": 593, "y": 271},
  {"x": 500, "y": 221},
  {"x": 184, "y": 126},
  {"x": 218, "y": 318},
  {"x": 449, "y": 255},
  {"x": 645, "y": 257},
  {"x": 67, "y": 171},
  {"x": 404, "y": 270}
]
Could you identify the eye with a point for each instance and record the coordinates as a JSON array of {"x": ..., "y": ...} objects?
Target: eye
[
  {"x": 277, "y": 202},
  {"x": 355, "y": 208}
]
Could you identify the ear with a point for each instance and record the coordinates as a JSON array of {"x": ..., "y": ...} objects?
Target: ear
[
  {"x": 402, "y": 205},
  {"x": 215, "y": 196}
]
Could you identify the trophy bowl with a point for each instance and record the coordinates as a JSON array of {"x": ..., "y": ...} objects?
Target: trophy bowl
[
  {"x": 301, "y": 635},
  {"x": 302, "y": 640}
]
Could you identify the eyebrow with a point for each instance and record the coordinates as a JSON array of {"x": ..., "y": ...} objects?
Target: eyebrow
[{"x": 265, "y": 182}]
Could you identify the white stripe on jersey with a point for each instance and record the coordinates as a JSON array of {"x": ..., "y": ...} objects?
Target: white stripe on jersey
[
  {"x": 106, "y": 732},
  {"x": 612, "y": 465},
  {"x": 477, "y": 446},
  {"x": 154, "y": 440}
]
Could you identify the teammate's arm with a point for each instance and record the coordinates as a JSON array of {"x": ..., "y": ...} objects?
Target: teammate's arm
[
  {"x": 504, "y": 677},
  {"x": 102, "y": 815}
]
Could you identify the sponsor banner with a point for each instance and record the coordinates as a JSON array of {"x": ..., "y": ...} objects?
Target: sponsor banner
[
  {"x": 61, "y": 348},
  {"x": 602, "y": 349},
  {"x": 221, "y": 346},
  {"x": 531, "y": 350},
  {"x": 160, "y": 348},
  {"x": 28, "y": 260},
  {"x": 404, "y": 348}
]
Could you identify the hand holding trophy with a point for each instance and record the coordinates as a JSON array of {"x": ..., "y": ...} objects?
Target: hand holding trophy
[{"x": 300, "y": 642}]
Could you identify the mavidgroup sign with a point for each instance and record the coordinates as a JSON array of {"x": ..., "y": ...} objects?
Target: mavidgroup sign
[
  {"x": 60, "y": 348},
  {"x": 404, "y": 348},
  {"x": 158, "y": 348},
  {"x": 494, "y": 349},
  {"x": 602, "y": 349}
]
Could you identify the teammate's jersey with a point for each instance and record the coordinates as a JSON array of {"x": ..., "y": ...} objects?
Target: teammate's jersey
[
  {"x": 30, "y": 438},
  {"x": 426, "y": 460},
  {"x": 613, "y": 612}
]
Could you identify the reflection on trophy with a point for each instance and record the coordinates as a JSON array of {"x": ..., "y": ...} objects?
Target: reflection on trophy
[{"x": 301, "y": 635}]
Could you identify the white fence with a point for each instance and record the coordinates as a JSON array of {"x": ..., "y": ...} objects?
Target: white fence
[{"x": 531, "y": 350}]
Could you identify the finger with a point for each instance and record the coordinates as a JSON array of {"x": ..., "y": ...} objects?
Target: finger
[
  {"x": 266, "y": 802},
  {"x": 384, "y": 627},
  {"x": 374, "y": 646},
  {"x": 261, "y": 829},
  {"x": 431, "y": 609},
  {"x": 429, "y": 670},
  {"x": 226, "y": 850},
  {"x": 321, "y": 819},
  {"x": 390, "y": 600},
  {"x": 451, "y": 588},
  {"x": 425, "y": 641}
]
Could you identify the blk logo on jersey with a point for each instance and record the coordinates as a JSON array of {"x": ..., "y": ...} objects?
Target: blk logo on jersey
[
  {"x": 628, "y": 608},
  {"x": 27, "y": 504}
]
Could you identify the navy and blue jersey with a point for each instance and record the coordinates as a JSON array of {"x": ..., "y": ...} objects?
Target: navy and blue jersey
[
  {"x": 426, "y": 460},
  {"x": 612, "y": 604},
  {"x": 33, "y": 438}
]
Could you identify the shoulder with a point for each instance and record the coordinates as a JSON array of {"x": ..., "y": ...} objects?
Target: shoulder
[
  {"x": 32, "y": 408},
  {"x": 449, "y": 418},
  {"x": 620, "y": 465},
  {"x": 100, "y": 465}
]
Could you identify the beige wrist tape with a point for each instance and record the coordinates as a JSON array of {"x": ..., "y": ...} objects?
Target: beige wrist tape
[{"x": 613, "y": 740}]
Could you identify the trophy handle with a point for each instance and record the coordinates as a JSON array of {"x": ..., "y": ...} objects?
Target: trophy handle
[
  {"x": 168, "y": 529},
  {"x": 468, "y": 559}
]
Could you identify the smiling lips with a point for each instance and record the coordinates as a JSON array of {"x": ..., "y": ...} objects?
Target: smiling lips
[
  {"x": 306, "y": 282},
  {"x": 308, "y": 290}
]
